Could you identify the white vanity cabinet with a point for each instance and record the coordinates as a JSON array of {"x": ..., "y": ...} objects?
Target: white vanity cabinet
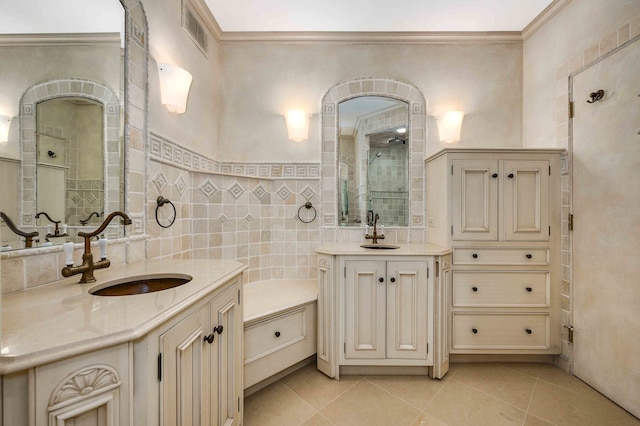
[
  {"x": 200, "y": 364},
  {"x": 499, "y": 212},
  {"x": 378, "y": 311}
]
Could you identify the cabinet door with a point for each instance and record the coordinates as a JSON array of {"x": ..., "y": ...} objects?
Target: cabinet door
[
  {"x": 526, "y": 200},
  {"x": 226, "y": 359},
  {"x": 475, "y": 200},
  {"x": 365, "y": 309},
  {"x": 325, "y": 345},
  {"x": 184, "y": 387},
  {"x": 407, "y": 308}
]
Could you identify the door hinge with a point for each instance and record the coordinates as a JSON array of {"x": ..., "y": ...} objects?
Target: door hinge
[
  {"x": 452, "y": 170},
  {"x": 427, "y": 348},
  {"x": 160, "y": 367},
  {"x": 549, "y": 230},
  {"x": 549, "y": 170},
  {"x": 437, "y": 269},
  {"x": 345, "y": 272},
  {"x": 427, "y": 273},
  {"x": 570, "y": 222},
  {"x": 570, "y": 109},
  {"x": 344, "y": 347},
  {"x": 570, "y": 332},
  {"x": 451, "y": 229}
]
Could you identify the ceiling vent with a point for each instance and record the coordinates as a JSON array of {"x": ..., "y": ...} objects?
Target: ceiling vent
[{"x": 193, "y": 26}]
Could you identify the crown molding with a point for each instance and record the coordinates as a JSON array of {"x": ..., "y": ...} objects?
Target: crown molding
[
  {"x": 383, "y": 37},
  {"x": 209, "y": 20},
  {"x": 545, "y": 16},
  {"x": 60, "y": 39}
]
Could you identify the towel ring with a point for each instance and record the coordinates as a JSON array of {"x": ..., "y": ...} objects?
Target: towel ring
[
  {"x": 161, "y": 202},
  {"x": 308, "y": 206}
]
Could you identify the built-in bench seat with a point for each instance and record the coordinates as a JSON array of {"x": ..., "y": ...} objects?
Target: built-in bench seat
[{"x": 279, "y": 326}]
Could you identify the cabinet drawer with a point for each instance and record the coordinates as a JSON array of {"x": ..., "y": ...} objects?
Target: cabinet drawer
[
  {"x": 500, "y": 256},
  {"x": 505, "y": 289},
  {"x": 500, "y": 331},
  {"x": 264, "y": 338}
]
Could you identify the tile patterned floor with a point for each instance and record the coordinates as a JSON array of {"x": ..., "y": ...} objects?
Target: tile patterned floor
[{"x": 471, "y": 394}]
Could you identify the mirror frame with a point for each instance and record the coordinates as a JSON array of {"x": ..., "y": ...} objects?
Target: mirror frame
[
  {"x": 56, "y": 89},
  {"x": 416, "y": 131}
]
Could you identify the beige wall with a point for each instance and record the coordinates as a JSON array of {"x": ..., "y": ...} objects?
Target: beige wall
[
  {"x": 197, "y": 128},
  {"x": 562, "y": 45},
  {"x": 263, "y": 80}
]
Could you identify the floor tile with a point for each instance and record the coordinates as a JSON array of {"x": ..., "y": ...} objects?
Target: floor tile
[
  {"x": 416, "y": 390},
  {"x": 562, "y": 407},
  {"x": 503, "y": 383},
  {"x": 555, "y": 375},
  {"x": 317, "y": 420},
  {"x": 276, "y": 405},
  {"x": 530, "y": 368},
  {"x": 426, "y": 420},
  {"x": 459, "y": 404},
  {"x": 532, "y": 420},
  {"x": 368, "y": 405},
  {"x": 316, "y": 388}
]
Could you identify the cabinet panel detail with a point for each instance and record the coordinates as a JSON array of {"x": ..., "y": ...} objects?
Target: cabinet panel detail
[
  {"x": 500, "y": 256},
  {"x": 501, "y": 289},
  {"x": 274, "y": 334},
  {"x": 326, "y": 318},
  {"x": 500, "y": 331},
  {"x": 475, "y": 207}
]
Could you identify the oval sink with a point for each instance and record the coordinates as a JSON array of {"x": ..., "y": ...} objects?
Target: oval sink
[
  {"x": 379, "y": 246},
  {"x": 140, "y": 284}
]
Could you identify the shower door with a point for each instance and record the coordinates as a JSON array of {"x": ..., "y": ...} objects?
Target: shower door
[{"x": 606, "y": 236}]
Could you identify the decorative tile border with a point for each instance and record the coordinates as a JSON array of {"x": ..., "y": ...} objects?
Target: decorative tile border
[{"x": 167, "y": 151}]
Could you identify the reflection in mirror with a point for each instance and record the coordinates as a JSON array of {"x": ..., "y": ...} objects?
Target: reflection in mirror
[
  {"x": 59, "y": 50},
  {"x": 373, "y": 155}
]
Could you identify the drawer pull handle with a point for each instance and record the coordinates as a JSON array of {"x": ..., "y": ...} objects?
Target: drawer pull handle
[
  {"x": 529, "y": 289},
  {"x": 495, "y": 175},
  {"x": 474, "y": 330},
  {"x": 528, "y": 330},
  {"x": 529, "y": 256},
  {"x": 277, "y": 334},
  {"x": 474, "y": 255},
  {"x": 209, "y": 339},
  {"x": 218, "y": 329},
  {"x": 393, "y": 280},
  {"x": 381, "y": 279},
  {"x": 474, "y": 288},
  {"x": 510, "y": 176}
]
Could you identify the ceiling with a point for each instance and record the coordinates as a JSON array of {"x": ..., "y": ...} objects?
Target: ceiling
[{"x": 375, "y": 15}]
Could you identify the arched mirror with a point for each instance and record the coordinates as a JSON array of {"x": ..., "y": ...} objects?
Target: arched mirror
[
  {"x": 373, "y": 155},
  {"x": 64, "y": 70},
  {"x": 373, "y": 148}
]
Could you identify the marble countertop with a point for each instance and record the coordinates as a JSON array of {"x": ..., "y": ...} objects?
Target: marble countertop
[
  {"x": 263, "y": 298},
  {"x": 405, "y": 249},
  {"x": 52, "y": 322}
]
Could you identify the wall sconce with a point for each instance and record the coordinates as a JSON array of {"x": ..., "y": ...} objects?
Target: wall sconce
[
  {"x": 5, "y": 122},
  {"x": 174, "y": 87},
  {"x": 449, "y": 126},
  {"x": 297, "y": 125}
]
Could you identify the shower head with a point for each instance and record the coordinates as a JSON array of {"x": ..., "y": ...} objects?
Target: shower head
[{"x": 396, "y": 139}]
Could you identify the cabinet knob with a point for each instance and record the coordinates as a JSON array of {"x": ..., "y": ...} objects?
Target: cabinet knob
[
  {"x": 474, "y": 255},
  {"x": 393, "y": 280},
  {"x": 528, "y": 330},
  {"x": 474, "y": 288},
  {"x": 209, "y": 338},
  {"x": 529, "y": 289},
  {"x": 474, "y": 330},
  {"x": 218, "y": 329},
  {"x": 495, "y": 175},
  {"x": 510, "y": 175},
  {"x": 277, "y": 333},
  {"x": 381, "y": 279},
  {"x": 529, "y": 256}
]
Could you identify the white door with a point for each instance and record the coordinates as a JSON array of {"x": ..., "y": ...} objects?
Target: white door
[
  {"x": 606, "y": 236},
  {"x": 475, "y": 200},
  {"x": 407, "y": 310},
  {"x": 365, "y": 301}
]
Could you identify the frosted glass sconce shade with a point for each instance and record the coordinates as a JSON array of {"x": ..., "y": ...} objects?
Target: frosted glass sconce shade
[
  {"x": 449, "y": 126},
  {"x": 297, "y": 125},
  {"x": 174, "y": 87},
  {"x": 5, "y": 122}
]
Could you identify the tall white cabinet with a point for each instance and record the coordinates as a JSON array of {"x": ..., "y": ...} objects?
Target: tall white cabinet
[{"x": 499, "y": 212}]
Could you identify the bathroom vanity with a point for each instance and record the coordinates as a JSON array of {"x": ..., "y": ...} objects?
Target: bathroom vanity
[
  {"x": 381, "y": 310},
  {"x": 69, "y": 357}
]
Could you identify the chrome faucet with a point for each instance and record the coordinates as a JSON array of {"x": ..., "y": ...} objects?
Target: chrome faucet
[
  {"x": 375, "y": 237},
  {"x": 88, "y": 265}
]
